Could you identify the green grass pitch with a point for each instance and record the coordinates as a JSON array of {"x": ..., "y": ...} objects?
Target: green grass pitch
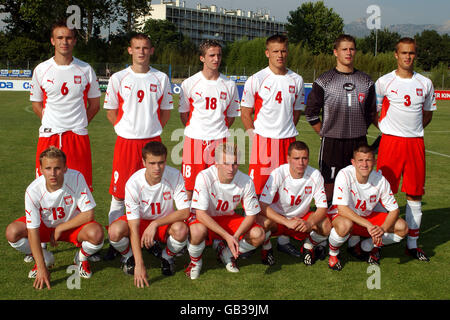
[{"x": 400, "y": 276}]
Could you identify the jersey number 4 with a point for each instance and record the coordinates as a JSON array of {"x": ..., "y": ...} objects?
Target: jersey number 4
[{"x": 278, "y": 97}]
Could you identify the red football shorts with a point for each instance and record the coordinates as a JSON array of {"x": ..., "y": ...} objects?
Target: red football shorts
[
  {"x": 197, "y": 156},
  {"x": 397, "y": 157},
  {"x": 161, "y": 233},
  {"x": 376, "y": 218},
  {"x": 127, "y": 160},
  {"x": 282, "y": 230},
  {"x": 70, "y": 236},
  {"x": 230, "y": 223},
  {"x": 267, "y": 155},
  {"x": 77, "y": 149}
]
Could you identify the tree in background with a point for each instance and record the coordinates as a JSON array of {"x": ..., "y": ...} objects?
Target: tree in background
[
  {"x": 314, "y": 25},
  {"x": 432, "y": 49},
  {"x": 385, "y": 39}
]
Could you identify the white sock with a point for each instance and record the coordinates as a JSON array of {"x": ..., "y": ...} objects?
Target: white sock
[
  {"x": 116, "y": 210},
  {"x": 413, "y": 217},
  {"x": 313, "y": 240},
  {"x": 244, "y": 246},
  {"x": 390, "y": 238},
  {"x": 267, "y": 245},
  {"x": 172, "y": 248},
  {"x": 196, "y": 251},
  {"x": 335, "y": 242},
  {"x": 88, "y": 249},
  {"x": 367, "y": 245},
  {"x": 353, "y": 241},
  {"x": 123, "y": 246},
  {"x": 21, "y": 245},
  {"x": 282, "y": 240}
]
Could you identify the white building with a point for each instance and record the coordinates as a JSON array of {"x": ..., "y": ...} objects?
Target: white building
[{"x": 211, "y": 22}]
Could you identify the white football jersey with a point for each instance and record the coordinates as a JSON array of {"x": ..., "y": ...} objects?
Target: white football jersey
[
  {"x": 362, "y": 198},
  {"x": 220, "y": 199},
  {"x": 54, "y": 208},
  {"x": 402, "y": 102},
  {"x": 139, "y": 98},
  {"x": 293, "y": 197},
  {"x": 63, "y": 90},
  {"x": 209, "y": 103},
  {"x": 143, "y": 201},
  {"x": 274, "y": 98}
]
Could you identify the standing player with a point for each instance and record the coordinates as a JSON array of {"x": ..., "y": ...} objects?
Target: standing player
[
  {"x": 59, "y": 207},
  {"x": 407, "y": 102},
  {"x": 286, "y": 200},
  {"x": 345, "y": 98},
  {"x": 276, "y": 96},
  {"x": 65, "y": 95},
  {"x": 138, "y": 102},
  {"x": 149, "y": 196},
  {"x": 218, "y": 191},
  {"x": 209, "y": 103},
  {"x": 357, "y": 191}
]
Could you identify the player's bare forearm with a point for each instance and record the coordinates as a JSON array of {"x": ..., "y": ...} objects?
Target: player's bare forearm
[
  {"x": 427, "y": 116},
  {"x": 348, "y": 213},
  {"x": 390, "y": 220},
  {"x": 164, "y": 117},
  {"x": 43, "y": 275},
  {"x": 93, "y": 108},
  {"x": 317, "y": 216},
  {"x": 247, "y": 119},
  {"x": 211, "y": 224},
  {"x": 317, "y": 127},
  {"x": 246, "y": 224},
  {"x": 178, "y": 215},
  {"x": 111, "y": 115},
  {"x": 37, "y": 108},
  {"x": 135, "y": 241},
  {"x": 272, "y": 215},
  {"x": 184, "y": 117},
  {"x": 230, "y": 121},
  {"x": 78, "y": 220},
  {"x": 297, "y": 114}
]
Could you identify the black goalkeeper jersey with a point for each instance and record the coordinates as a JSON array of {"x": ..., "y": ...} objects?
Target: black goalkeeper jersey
[{"x": 346, "y": 102}]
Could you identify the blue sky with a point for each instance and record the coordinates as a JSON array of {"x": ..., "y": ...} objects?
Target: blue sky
[{"x": 392, "y": 11}]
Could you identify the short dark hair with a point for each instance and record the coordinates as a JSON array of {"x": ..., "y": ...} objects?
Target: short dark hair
[
  {"x": 407, "y": 40},
  {"x": 206, "y": 44},
  {"x": 61, "y": 24},
  {"x": 362, "y": 147},
  {"x": 343, "y": 37},
  {"x": 154, "y": 148},
  {"x": 297, "y": 145},
  {"x": 140, "y": 36},
  {"x": 278, "y": 38},
  {"x": 53, "y": 153}
]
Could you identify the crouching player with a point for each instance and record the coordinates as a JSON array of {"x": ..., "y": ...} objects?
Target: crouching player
[
  {"x": 150, "y": 215},
  {"x": 285, "y": 205},
  {"x": 218, "y": 191},
  {"x": 59, "y": 207},
  {"x": 357, "y": 191}
]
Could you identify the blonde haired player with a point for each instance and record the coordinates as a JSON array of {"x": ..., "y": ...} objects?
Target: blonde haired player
[
  {"x": 65, "y": 95},
  {"x": 357, "y": 192},
  {"x": 209, "y": 103},
  {"x": 406, "y": 102},
  {"x": 217, "y": 193},
  {"x": 59, "y": 207},
  {"x": 138, "y": 102},
  {"x": 150, "y": 194}
]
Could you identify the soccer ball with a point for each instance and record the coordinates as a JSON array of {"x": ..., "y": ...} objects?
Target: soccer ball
[{"x": 49, "y": 258}]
